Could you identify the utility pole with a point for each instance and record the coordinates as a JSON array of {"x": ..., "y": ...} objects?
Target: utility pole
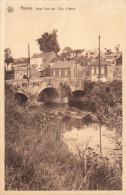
[
  {"x": 100, "y": 140},
  {"x": 99, "y": 59},
  {"x": 28, "y": 65}
]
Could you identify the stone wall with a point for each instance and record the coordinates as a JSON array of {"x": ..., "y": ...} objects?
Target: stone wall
[{"x": 33, "y": 87}]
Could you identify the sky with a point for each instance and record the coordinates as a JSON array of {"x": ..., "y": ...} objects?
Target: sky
[{"x": 78, "y": 28}]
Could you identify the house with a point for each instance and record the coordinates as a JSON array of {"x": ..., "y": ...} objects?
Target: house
[
  {"x": 10, "y": 70},
  {"x": 64, "y": 69},
  {"x": 20, "y": 68},
  {"x": 57, "y": 58},
  {"x": 41, "y": 61},
  {"x": 20, "y": 62},
  {"x": 118, "y": 69},
  {"x": 20, "y": 72},
  {"x": 112, "y": 56},
  {"x": 106, "y": 70}
]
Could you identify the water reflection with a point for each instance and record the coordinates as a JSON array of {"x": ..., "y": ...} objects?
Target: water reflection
[
  {"x": 81, "y": 129},
  {"x": 96, "y": 136}
]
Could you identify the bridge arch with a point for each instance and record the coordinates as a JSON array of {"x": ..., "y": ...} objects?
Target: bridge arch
[
  {"x": 48, "y": 94},
  {"x": 20, "y": 97},
  {"x": 78, "y": 93}
]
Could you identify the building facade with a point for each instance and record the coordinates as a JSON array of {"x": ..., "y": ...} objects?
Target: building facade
[
  {"x": 20, "y": 72},
  {"x": 42, "y": 60},
  {"x": 106, "y": 70},
  {"x": 64, "y": 69}
]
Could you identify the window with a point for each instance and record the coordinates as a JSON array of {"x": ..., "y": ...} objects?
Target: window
[
  {"x": 54, "y": 73},
  {"x": 92, "y": 70},
  {"x": 97, "y": 70},
  {"x": 65, "y": 72},
  {"x": 59, "y": 72},
  {"x": 102, "y": 70}
]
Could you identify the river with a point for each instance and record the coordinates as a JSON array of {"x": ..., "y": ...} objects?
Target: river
[{"x": 81, "y": 130}]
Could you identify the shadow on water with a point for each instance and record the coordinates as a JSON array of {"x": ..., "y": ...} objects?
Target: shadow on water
[{"x": 81, "y": 105}]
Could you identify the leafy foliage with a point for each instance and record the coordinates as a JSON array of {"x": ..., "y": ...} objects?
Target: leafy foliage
[
  {"x": 8, "y": 57},
  {"x": 37, "y": 159},
  {"x": 48, "y": 42}
]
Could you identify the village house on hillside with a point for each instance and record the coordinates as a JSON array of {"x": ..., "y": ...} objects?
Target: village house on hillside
[
  {"x": 20, "y": 68},
  {"x": 57, "y": 58},
  {"x": 106, "y": 70},
  {"x": 20, "y": 72},
  {"x": 42, "y": 60},
  {"x": 39, "y": 65},
  {"x": 50, "y": 65},
  {"x": 64, "y": 69},
  {"x": 12, "y": 72}
]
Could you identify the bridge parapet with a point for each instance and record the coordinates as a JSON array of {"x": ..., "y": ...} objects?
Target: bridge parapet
[{"x": 35, "y": 86}]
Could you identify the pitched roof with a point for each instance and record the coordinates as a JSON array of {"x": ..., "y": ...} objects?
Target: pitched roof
[
  {"x": 20, "y": 61},
  {"x": 43, "y": 55},
  {"x": 55, "y": 59},
  {"x": 21, "y": 68},
  {"x": 102, "y": 62},
  {"x": 63, "y": 64}
]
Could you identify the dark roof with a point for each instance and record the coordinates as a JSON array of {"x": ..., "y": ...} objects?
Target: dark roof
[
  {"x": 63, "y": 64},
  {"x": 20, "y": 61},
  {"x": 43, "y": 55}
]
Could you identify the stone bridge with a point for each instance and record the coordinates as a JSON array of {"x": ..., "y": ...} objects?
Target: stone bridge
[{"x": 48, "y": 89}]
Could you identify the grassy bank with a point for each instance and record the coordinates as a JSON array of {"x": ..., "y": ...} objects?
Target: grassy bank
[
  {"x": 37, "y": 159},
  {"x": 105, "y": 101}
]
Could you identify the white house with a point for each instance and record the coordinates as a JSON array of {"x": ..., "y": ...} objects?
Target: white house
[{"x": 42, "y": 60}]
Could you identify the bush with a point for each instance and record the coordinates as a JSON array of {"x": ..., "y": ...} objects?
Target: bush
[{"x": 37, "y": 159}]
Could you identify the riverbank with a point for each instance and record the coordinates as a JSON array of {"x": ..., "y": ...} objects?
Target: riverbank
[
  {"x": 104, "y": 100},
  {"x": 37, "y": 159}
]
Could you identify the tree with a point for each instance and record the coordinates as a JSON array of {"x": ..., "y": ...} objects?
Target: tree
[
  {"x": 82, "y": 61},
  {"x": 65, "y": 55},
  {"x": 8, "y": 57},
  {"x": 77, "y": 52},
  {"x": 67, "y": 50},
  {"x": 48, "y": 42}
]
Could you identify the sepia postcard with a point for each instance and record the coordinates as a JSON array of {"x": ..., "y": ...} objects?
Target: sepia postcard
[{"x": 63, "y": 81}]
